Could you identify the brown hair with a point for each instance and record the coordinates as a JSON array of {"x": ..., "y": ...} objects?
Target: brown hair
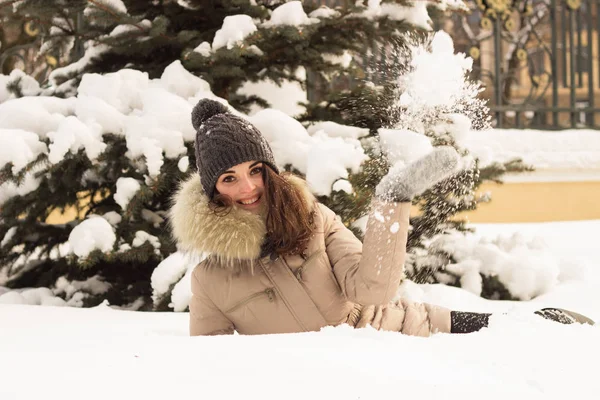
[{"x": 289, "y": 219}]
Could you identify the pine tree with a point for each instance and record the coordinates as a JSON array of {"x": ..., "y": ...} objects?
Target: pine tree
[{"x": 106, "y": 36}]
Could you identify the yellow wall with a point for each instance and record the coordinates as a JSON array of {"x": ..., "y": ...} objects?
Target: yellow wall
[{"x": 539, "y": 202}]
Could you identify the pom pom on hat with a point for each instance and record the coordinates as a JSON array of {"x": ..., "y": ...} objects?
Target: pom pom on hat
[{"x": 205, "y": 109}]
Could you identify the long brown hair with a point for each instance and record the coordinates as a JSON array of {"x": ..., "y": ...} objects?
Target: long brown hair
[{"x": 289, "y": 214}]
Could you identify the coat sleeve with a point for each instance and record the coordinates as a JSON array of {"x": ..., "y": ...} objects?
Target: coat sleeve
[
  {"x": 205, "y": 316},
  {"x": 369, "y": 272}
]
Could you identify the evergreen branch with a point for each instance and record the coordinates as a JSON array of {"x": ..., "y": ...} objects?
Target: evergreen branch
[
  {"x": 9, "y": 3},
  {"x": 118, "y": 20}
]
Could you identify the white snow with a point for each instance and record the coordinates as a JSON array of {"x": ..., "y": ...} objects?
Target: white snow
[
  {"x": 290, "y": 13},
  {"x": 343, "y": 185},
  {"x": 284, "y": 97},
  {"x": 324, "y": 12},
  {"x": 572, "y": 154},
  {"x": 519, "y": 355},
  {"x": 113, "y": 218},
  {"x": 141, "y": 237},
  {"x": 170, "y": 272},
  {"x": 92, "y": 52},
  {"x": 75, "y": 291},
  {"x": 428, "y": 84},
  {"x": 29, "y": 86},
  {"x": 19, "y": 147},
  {"x": 416, "y": 15},
  {"x": 121, "y": 89},
  {"x": 30, "y": 183},
  {"x": 234, "y": 30},
  {"x": 183, "y": 164},
  {"x": 94, "y": 111},
  {"x": 126, "y": 188},
  {"x": 35, "y": 114},
  {"x": 73, "y": 135},
  {"x": 330, "y": 159},
  {"x": 342, "y": 60},
  {"x": 333, "y": 129},
  {"x": 403, "y": 146},
  {"x": 323, "y": 159},
  {"x": 203, "y": 49},
  {"x": 91, "y": 234},
  {"x": 178, "y": 80},
  {"x": 114, "y": 5}
]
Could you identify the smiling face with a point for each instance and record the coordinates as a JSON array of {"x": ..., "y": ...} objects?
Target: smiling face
[{"x": 244, "y": 184}]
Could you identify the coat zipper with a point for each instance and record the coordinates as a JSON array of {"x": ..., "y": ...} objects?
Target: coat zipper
[
  {"x": 300, "y": 269},
  {"x": 269, "y": 292},
  {"x": 285, "y": 301}
]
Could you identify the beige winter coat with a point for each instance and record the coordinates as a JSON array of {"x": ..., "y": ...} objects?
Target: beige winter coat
[{"x": 338, "y": 280}]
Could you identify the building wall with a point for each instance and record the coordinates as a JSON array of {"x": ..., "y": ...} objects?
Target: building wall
[{"x": 539, "y": 202}]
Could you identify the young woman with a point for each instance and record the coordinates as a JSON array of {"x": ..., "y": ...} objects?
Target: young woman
[{"x": 279, "y": 261}]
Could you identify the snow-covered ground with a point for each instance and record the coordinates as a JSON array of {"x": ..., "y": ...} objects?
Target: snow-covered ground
[{"x": 99, "y": 353}]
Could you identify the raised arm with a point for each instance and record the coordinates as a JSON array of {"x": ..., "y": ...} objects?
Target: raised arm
[{"x": 369, "y": 273}]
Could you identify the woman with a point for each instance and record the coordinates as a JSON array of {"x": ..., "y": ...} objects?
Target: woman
[{"x": 279, "y": 261}]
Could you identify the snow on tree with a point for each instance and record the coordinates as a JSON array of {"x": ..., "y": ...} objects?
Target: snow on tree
[{"x": 111, "y": 137}]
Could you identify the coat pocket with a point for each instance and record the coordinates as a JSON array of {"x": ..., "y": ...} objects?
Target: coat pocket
[{"x": 269, "y": 293}]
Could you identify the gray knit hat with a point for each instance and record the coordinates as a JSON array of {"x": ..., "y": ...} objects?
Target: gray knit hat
[{"x": 224, "y": 140}]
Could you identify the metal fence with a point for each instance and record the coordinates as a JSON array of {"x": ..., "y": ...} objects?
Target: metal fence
[{"x": 538, "y": 60}]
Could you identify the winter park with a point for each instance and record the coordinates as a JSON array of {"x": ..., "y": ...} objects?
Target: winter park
[{"x": 327, "y": 199}]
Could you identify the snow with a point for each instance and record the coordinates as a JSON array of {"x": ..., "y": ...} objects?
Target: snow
[
  {"x": 515, "y": 356},
  {"x": 91, "y": 53},
  {"x": 73, "y": 135},
  {"x": 342, "y": 60},
  {"x": 178, "y": 80},
  {"x": 403, "y": 146},
  {"x": 94, "y": 111},
  {"x": 142, "y": 237},
  {"x": 234, "y": 30},
  {"x": 428, "y": 84},
  {"x": 116, "y": 5},
  {"x": 29, "y": 86},
  {"x": 416, "y": 15},
  {"x": 91, "y": 234},
  {"x": 19, "y": 147},
  {"x": 333, "y": 129},
  {"x": 284, "y": 97},
  {"x": 290, "y": 13},
  {"x": 35, "y": 114},
  {"x": 572, "y": 154},
  {"x": 203, "y": 49},
  {"x": 324, "y": 12},
  {"x": 321, "y": 158},
  {"x": 8, "y": 236},
  {"x": 342, "y": 185},
  {"x": 94, "y": 285},
  {"x": 121, "y": 89},
  {"x": 170, "y": 272},
  {"x": 183, "y": 164},
  {"x": 126, "y": 188},
  {"x": 526, "y": 267},
  {"x": 129, "y": 28},
  {"x": 113, "y": 218},
  {"x": 30, "y": 183}
]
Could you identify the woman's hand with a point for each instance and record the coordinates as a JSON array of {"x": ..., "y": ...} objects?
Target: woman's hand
[{"x": 402, "y": 183}]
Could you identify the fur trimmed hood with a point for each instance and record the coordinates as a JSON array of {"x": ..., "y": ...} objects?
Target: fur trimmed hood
[{"x": 239, "y": 235}]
